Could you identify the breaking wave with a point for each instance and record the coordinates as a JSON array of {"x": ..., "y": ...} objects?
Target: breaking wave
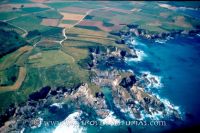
[{"x": 71, "y": 124}]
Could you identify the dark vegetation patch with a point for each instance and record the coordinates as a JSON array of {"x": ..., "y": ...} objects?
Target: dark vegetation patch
[
  {"x": 107, "y": 24},
  {"x": 49, "y": 14},
  {"x": 7, "y": 27},
  {"x": 89, "y": 17},
  {"x": 8, "y": 76},
  {"x": 33, "y": 33},
  {"x": 53, "y": 32},
  {"x": 10, "y": 41}
]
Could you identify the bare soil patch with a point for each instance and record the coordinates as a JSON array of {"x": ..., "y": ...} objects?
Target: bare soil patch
[
  {"x": 71, "y": 16},
  {"x": 50, "y": 22}
]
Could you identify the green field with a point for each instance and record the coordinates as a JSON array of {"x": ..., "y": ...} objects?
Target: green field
[
  {"x": 7, "y": 27},
  {"x": 8, "y": 76},
  {"x": 49, "y": 14},
  {"x": 9, "y": 15},
  {"x": 69, "y": 21},
  {"x": 50, "y": 58},
  {"x": 33, "y": 9},
  {"x": 85, "y": 4},
  {"x": 33, "y": 23}
]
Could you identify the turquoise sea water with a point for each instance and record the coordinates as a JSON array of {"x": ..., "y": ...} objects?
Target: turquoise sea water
[{"x": 177, "y": 62}]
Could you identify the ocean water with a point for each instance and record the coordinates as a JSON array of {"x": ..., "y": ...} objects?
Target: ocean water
[
  {"x": 177, "y": 63},
  {"x": 190, "y": 12}
]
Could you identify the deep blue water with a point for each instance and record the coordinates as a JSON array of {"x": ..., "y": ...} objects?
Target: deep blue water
[
  {"x": 178, "y": 63},
  {"x": 191, "y": 13}
]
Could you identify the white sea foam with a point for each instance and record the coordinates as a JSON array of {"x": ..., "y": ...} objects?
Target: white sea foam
[
  {"x": 169, "y": 106},
  {"x": 129, "y": 70},
  {"x": 22, "y": 131},
  {"x": 70, "y": 124},
  {"x": 140, "y": 55},
  {"x": 154, "y": 116},
  {"x": 159, "y": 114},
  {"x": 132, "y": 41},
  {"x": 160, "y": 41},
  {"x": 110, "y": 120},
  {"x": 151, "y": 78},
  {"x": 169, "y": 38},
  {"x": 59, "y": 105},
  {"x": 37, "y": 123}
]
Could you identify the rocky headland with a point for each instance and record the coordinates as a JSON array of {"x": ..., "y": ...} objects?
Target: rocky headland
[{"x": 135, "y": 30}]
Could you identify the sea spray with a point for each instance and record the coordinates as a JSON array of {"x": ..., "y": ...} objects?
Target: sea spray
[
  {"x": 71, "y": 124},
  {"x": 110, "y": 120},
  {"x": 140, "y": 56},
  {"x": 155, "y": 81}
]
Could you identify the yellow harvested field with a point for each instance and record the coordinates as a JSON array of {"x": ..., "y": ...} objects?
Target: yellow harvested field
[
  {"x": 65, "y": 25},
  {"x": 83, "y": 31},
  {"x": 18, "y": 83},
  {"x": 35, "y": 56},
  {"x": 71, "y": 16}
]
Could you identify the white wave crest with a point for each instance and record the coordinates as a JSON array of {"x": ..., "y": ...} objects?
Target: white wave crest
[
  {"x": 59, "y": 105},
  {"x": 160, "y": 41},
  {"x": 70, "y": 124},
  {"x": 140, "y": 55},
  {"x": 110, "y": 120},
  {"x": 155, "y": 81}
]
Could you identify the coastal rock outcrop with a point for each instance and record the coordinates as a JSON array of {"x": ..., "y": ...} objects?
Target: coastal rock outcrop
[
  {"x": 127, "y": 82},
  {"x": 40, "y": 94}
]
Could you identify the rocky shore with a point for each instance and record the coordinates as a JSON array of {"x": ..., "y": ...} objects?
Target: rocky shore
[
  {"x": 129, "y": 91},
  {"x": 134, "y": 30}
]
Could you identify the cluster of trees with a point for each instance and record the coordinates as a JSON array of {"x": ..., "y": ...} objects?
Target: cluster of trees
[
  {"x": 14, "y": 8},
  {"x": 10, "y": 41}
]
